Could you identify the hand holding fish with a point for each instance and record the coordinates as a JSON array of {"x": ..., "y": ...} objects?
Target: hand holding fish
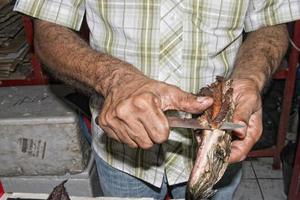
[{"x": 248, "y": 112}]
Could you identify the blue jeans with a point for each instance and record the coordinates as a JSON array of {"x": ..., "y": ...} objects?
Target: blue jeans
[{"x": 115, "y": 183}]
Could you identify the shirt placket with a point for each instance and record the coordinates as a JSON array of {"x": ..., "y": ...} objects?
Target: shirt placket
[
  {"x": 170, "y": 63},
  {"x": 170, "y": 42}
]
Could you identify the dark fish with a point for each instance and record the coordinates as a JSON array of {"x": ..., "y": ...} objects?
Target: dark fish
[
  {"x": 59, "y": 193},
  {"x": 214, "y": 145}
]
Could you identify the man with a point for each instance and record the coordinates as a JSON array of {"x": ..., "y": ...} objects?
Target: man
[{"x": 147, "y": 57}]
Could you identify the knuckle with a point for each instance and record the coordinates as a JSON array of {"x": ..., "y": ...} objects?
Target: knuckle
[
  {"x": 146, "y": 145},
  {"x": 183, "y": 99},
  {"x": 187, "y": 97},
  {"x": 125, "y": 140},
  {"x": 102, "y": 120},
  {"x": 175, "y": 91},
  {"x": 110, "y": 116},
  {"x": 141, "y": 142},
  {"x": 106, "y": 118},
  {"x": 132, "y": 145},
  {"x": 141, "y": 101},
  {"x": 121, "y": 110},
  {"x": 109, "y": 119},
  {"x": 161, "y": 138}
]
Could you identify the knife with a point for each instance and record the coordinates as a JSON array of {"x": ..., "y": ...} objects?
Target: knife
[{"x": 177, "y": 122}]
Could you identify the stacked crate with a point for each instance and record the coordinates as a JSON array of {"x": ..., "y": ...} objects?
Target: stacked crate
[
  {"x": 14, "y": 50},
  {"x": 42, "y": 143}
]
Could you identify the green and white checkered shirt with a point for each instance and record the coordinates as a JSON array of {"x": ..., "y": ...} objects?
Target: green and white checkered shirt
[{"x": 182, "y": 42}]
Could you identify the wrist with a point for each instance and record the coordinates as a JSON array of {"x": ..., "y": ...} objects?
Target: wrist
[
  {"x": 257, "y": 79},
  {"x": 116, "y": 75},
  {"x": 251, "y": 84}
]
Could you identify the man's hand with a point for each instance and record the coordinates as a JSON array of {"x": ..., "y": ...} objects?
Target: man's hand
[
  {"x": 133, "y": 109},
  {"x": 247, "y": 112},
  {"x": 134, "y": 104},
  {"x": 257, "y": 59}
]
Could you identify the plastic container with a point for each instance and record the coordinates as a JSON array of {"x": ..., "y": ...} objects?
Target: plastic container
[
  {"x": 85, "y": 184},
  {"x": 39, "y": 133}
]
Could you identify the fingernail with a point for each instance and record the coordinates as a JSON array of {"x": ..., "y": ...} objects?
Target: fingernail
[
  {"x": 96, "y": 120},
  {"x": 242, "y": 130},
  {"x": 204, "y": 99},
  {"x": 242, "y": 158}
]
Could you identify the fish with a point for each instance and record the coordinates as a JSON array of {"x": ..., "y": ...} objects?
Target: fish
[
  {"x": 59, "y": 192},
  {"x": 213, "y": 145}
]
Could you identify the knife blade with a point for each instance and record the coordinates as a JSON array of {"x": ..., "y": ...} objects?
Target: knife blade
[{"x": 177, "y": 122}]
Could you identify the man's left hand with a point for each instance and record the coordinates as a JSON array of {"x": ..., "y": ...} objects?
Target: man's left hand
[{"x": 248, "y": 112}]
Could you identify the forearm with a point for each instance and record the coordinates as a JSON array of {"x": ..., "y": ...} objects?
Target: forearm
[
  {"x": 261, "y": 54},
  {"x": 65, "y": 53}
]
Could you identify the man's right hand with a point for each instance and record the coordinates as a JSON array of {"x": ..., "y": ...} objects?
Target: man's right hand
[
  {"x": 134, "y": 104},
  {"x": 133, "y": 109}
]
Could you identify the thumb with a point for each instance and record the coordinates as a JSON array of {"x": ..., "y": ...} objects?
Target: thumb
[
  {"x": 190, "y": 103},
  {"x": 241, "y": 116}
]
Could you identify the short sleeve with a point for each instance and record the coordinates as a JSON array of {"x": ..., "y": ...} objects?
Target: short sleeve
[
  {"x": 270, "y": 12},
  {"x": 67, "y": 13}
]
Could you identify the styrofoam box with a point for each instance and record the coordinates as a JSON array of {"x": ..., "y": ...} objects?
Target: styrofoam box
[
  {"x": 84, "y": 184},
  {"x": 39, "y": 133}
]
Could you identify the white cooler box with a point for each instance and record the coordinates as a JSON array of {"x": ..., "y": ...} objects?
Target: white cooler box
[
  {"x": 39, "y": 134},
  {"x": 84, "y": 184}
]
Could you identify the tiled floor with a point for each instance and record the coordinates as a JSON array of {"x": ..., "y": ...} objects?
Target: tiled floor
[{"x": 260, "y": 181}]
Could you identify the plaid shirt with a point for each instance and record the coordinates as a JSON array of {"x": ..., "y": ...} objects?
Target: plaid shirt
[{"x": 182, "y": 42}]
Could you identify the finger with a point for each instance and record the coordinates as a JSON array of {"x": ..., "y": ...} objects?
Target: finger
[
  {"x": 240, "y": 132},
  {"x": 243, "y": 111},
  {"x": 241, "y": 116},
  {"x": 156, "y": 125},
  {"x": 241, "y": 148},
  {"x": 155, "y": 122},
  {"x": 121, "y": 131},
  {"x": 237, "y": 154},
  {"x": 114, "y": 128},
  {"x": 102, "y": 122},
  {"x": 109, "y": 132},
  {"x": 138, "y": 124},
  {"x": 138, "y": 134},
  {"x": 186, "y": 102},
  {"x": 148, "y": 119}
]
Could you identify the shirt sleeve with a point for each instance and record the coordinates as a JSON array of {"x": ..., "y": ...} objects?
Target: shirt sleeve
[
  {"x": 270, "y": 12},
  {"x": 67, "y": 13}
]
